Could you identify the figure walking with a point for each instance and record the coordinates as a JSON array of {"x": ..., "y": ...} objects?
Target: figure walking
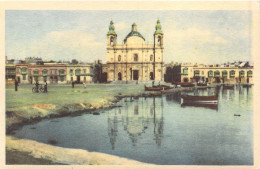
[
  {"x": 85, "y": 85},
  {"x": 45, "y": 86},
  {"x": 16, "y": 85},
  {"x": 37, "y": 86},
  {"x": 153, "y": 83},
  {"x": 72, "y": 83}
]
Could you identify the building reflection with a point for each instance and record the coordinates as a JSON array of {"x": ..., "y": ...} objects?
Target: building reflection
[{"x": 137, "y": 117}]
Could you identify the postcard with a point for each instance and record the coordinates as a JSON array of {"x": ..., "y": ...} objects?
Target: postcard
[{"x": 130, "y": 84}]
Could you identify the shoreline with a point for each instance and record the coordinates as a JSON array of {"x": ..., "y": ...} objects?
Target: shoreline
[{"x": 34, "y": 113}]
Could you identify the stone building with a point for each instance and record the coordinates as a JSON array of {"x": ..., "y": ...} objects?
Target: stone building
[
  {"x": 242, "y": 73},
  {"x": 9, "y": 73},
  {"x": 134, "y": 59},
  {"x": 53, "y": 73},
  {"x": 80, "y": 73}
]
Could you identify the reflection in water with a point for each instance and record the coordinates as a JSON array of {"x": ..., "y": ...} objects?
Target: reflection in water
[
  {"x": 158, "y": 130},
  {"x": 136, "y": 118}
]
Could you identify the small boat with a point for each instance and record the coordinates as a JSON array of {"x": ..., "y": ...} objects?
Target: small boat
[
  {"x": 202, "y": 84},
  {"x": 228, "y": 86},
  {"x": 187, "y": 85},
  {"x": 181, "y": 83},
  {"x": 157, "y": 88},
  {"x": 207, "y": 105},
  {"x": 247, "y": 85},
  {"x": 237, "y": 115},
  {"x": 201, "y": 99}
]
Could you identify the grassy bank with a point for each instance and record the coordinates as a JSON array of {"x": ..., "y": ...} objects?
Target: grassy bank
[{"x": 25, "y": 106}]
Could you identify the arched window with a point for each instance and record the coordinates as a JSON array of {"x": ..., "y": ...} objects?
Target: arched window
[
  {"x": 159, "y": 40},
  {"x": 210, "y": 73},
  {"x": 36, "y": 73},
  {"x": 196, "y": 73},
  {"x": 119, "y": 58},
  {"x": 44, "y": 72},
  {"x": 249, "y": 73},
  {"x": 241, "y": 73},
  {"x": 23, "y": 69},
  {"x": 61, "y": 72},
  {"x": 232, "y": 73},
  {"x": 77, "y": 72},
  {"x": 185, "y": 71},
  {"x": 112, "y": 41},
  {"x": 216, "y": 74},
  {"x": 135, "y": 57},
  {"x": 224, "y": 73},
  {"x": 151, "y": 58}
]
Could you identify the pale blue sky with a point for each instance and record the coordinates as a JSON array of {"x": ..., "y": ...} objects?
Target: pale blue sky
[{"x": 189, "y": 36}]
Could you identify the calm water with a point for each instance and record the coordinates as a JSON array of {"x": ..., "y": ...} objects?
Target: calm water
[{"x": 158, "y": 130}]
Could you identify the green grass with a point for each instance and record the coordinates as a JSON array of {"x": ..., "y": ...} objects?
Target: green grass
[{"x": 64, "y": 94}]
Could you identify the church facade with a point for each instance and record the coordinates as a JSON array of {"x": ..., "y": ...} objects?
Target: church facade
[{"x": 135, "y": 59}]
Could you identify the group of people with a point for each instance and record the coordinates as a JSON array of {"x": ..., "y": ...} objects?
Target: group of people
[
  {"x": 16, "y": 84},
  {"x": 44, "y": 89}
]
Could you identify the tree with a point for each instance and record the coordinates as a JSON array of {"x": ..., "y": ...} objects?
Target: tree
[{"x": 74, "y": 61}]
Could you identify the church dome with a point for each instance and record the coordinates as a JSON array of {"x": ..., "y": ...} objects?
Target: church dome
[{"x": 134, "y": 32}]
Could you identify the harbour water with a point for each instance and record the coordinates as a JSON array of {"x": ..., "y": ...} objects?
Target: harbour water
[{"x": 159, "y": 130}]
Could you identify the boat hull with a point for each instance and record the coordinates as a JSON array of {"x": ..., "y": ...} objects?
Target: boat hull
[{"x": 200, "y": 98}]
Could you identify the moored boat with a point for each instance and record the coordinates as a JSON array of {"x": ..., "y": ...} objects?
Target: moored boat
[
  {"x": 187, "y": 85},
  {"x": 246, "y": 85},
  {"x": 157, "y": 88},
  {"x": 189, "y": 98},
  {"x": 181, "y": 83}
]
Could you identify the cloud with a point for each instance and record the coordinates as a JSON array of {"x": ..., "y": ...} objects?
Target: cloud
[
  {"x": 66, "y": 45},
  {"x": 192, "y": 44}
]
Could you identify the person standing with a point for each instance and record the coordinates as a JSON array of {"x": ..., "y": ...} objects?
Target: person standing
[
  {"x": 16, "y": 85},
  {"x": 72, "y": 83},
  {"x": 45, "y": 86},
  {"x": 37, "y": 86},
  {"x": 85, "y": 85}
]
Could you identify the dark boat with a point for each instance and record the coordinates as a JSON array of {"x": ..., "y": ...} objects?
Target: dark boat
[
  {"x": 207, "y": 105},
  {"x": 208, "y": 99},
  {"x": 247, "y": 85},
  {"x": 228, "y": 86},
  {"x": 187, "y": 85},
  {"x": 157, "y": 88}
]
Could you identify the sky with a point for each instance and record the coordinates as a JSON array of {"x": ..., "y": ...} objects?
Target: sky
[{"x": 207, "y": 37}]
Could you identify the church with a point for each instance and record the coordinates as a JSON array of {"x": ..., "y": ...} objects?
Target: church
[{"x": 135, "y": 59}]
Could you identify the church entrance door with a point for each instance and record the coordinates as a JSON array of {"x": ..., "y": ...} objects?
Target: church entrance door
[
  {"x": 151, "y": 76},
  {"x": 135, "y": 74},
  {"x": 119, "y": 76}
]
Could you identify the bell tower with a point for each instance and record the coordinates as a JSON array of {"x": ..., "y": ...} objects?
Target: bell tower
[
  {"x": 111, "y": 35},
  {"x": 158, "y": 52},
  {"x": 158, "y": 35}
]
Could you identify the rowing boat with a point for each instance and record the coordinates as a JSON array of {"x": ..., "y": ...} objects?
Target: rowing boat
[
  {"x": 201, "y": 99},
  {"x": 157, "y": 88}
]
